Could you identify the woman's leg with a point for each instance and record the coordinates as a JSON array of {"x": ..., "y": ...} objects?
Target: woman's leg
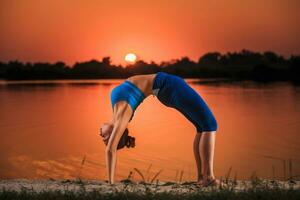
[
  {"x": 207, "y": 148},
  {"x": 196, "y": 149}
]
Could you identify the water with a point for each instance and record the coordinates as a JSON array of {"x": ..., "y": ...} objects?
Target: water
[{"x": 49, "y": 129}]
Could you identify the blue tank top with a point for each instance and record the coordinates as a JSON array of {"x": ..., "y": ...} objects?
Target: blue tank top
[{"x": 128, "y": 92}]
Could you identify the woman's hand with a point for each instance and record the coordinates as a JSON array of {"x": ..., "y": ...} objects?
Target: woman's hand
[{"x": 105, "y": 136}]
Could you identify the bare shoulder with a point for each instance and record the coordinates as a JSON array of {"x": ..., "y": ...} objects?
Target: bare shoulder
[{"x": 122, "y": 110}]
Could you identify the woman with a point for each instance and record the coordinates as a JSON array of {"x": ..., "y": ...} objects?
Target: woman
[{"x": 173, "y": 92}]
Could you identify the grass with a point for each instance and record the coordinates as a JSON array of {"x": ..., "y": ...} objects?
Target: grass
[
  {"x": 215, "y": 194},
  {"x": 254, "y": 189},
  {"x": 149, "y": 179}
]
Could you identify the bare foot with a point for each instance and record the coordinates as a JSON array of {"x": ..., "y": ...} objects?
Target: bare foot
[
  {"x": 200, "y": 179},
  {"x": 212, "y": 182},
  {"x": 200, "y": 182}
]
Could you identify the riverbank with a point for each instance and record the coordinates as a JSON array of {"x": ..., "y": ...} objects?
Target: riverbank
[{"x": 94, "y": 189}]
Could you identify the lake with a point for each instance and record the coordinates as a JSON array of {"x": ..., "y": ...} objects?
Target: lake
[{"x": 49, "y": 129}]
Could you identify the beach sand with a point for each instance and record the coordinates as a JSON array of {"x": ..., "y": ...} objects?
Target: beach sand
[{"x": 130, "y": 186}]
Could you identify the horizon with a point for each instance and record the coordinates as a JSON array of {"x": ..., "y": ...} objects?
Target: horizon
[
  {"x": 126, "y": 64},
  {"x": 68, "y": 31}
]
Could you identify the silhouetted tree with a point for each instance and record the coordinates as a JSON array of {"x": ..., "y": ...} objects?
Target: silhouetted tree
[
  {"x": 243, "y": 65},
  {"x": 294, "y": 68},
  {"x": 183, "y": 67},
  {"x": 2, "y": 70}
]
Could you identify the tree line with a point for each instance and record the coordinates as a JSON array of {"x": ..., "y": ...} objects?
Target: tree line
[{"x": 243, "y": 65}]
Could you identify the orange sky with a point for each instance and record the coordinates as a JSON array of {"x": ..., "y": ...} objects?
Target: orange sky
[{"x": 79, "y": 30}]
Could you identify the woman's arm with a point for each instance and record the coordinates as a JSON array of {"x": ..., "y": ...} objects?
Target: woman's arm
[{"x": 111, "y": 148}]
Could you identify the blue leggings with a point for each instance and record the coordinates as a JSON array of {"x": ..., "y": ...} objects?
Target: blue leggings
[{"x": 174, "y": 92}]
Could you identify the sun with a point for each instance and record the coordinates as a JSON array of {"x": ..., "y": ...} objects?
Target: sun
[{"x": 130, "y": 57}]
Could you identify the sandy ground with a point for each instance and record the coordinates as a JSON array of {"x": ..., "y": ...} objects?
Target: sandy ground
[{"x": 126, "y": 185}]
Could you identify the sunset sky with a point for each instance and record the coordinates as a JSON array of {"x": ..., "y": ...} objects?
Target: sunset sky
[{"x": 80, "y": 30}]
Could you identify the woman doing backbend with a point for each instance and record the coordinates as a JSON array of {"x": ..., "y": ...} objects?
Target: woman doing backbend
[{"x": 173, "y": 92}]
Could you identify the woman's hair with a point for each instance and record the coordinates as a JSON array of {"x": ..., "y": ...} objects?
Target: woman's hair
[{"x": 126, "y": 140}]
